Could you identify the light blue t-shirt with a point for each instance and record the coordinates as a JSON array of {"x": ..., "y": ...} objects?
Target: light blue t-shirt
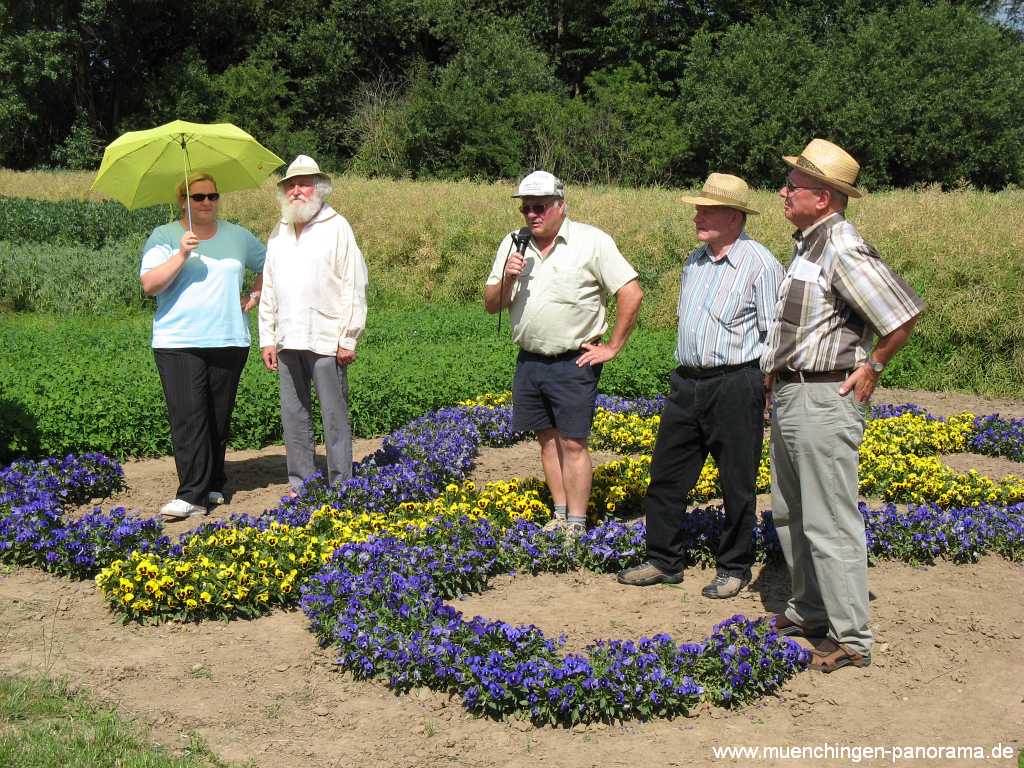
[{"x": 202, "y": 308}]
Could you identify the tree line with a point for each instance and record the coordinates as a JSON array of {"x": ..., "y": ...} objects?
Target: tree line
[{"x": 632, "y": 92}]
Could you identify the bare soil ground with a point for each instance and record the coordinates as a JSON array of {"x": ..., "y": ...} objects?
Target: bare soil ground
[{"x": 948, "y": 667}]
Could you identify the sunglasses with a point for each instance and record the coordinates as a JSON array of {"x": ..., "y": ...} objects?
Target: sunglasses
[
  {"x": 537, "y": 208},
  {"x": 200, "y": 197},
  {"x": 790, "y": 188}
]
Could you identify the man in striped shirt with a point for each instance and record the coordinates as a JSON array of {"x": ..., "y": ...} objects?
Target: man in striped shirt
[
  {"x": 716, "y": 403},
  {"x": 838, "y": 295}
]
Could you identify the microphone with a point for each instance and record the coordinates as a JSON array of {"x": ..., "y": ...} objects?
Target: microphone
[{"x": 521, "y": 239}]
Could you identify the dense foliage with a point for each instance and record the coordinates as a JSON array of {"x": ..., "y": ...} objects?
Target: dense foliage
[
  {"x": 75, "y": 222},
  {"x": 89, "y": 384},
  {"x": 105, "y": 395},
  {"x": 628, "y": 90}
]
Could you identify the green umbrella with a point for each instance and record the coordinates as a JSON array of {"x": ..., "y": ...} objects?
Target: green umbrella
[{"x": 143, "y": 168}]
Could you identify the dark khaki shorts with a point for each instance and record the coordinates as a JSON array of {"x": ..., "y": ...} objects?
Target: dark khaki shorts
[{"x": 554, "y": 392}]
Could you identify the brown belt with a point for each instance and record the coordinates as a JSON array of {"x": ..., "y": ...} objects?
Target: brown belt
[{"x": 812, "y": 377}]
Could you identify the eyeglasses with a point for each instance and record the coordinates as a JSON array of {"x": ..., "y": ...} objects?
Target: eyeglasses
[
  {"x": 200, "y": 197},
  {"x": 537, "y": 208},
  {"x": 790, "y": 187}
]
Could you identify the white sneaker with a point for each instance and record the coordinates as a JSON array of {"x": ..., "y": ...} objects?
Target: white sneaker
[
  {"x": 215, "y": 497},
  {"x": 554, "y": 524},
  {"x": 179, "y": 509}
]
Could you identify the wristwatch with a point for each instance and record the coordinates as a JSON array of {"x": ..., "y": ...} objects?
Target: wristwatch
[
  {"x": 875, "y": 366},
  {"x": 254, "y": 295}
]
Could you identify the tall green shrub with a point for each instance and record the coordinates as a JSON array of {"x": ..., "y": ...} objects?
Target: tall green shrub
[
  {"x": 468, "y": 119},
  {"x": 921, "y": 93}
]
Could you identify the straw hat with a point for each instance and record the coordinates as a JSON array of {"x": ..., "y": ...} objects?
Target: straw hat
[
  {"x": 725, "y": 190},
  {"x": 303, "y": 165},
  {"x": 826, "y": 162}
]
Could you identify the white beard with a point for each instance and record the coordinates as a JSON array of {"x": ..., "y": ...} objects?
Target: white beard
[{"x": 300, "y": 213}]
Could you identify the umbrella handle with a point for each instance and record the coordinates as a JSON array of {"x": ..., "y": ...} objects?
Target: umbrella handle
[{"x": 188, "y": 172}]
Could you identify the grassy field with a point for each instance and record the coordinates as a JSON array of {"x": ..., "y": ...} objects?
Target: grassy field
[
  {"x": 433, "y": 242},
  {"x": 43, "y": 724}
]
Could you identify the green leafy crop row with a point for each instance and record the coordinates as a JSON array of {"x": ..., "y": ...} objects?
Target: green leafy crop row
[
  {"x": 77, "y": 384},
  {"x": 75, "y": 222},
  {"x": 72, "y": 279}
]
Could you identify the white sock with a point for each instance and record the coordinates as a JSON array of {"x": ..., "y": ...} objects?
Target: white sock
[{"x": 561, "y": 512}]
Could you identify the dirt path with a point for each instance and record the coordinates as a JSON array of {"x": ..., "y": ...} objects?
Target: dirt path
[{"x": 947, "y": 671}]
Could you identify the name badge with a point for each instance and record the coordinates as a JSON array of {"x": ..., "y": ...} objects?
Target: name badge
[{"x": 807, "y": 271}]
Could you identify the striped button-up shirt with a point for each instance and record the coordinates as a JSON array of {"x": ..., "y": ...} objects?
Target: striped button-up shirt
[
  {"x": 837, "y": 295},
  {"x": 726, "y": 305}
]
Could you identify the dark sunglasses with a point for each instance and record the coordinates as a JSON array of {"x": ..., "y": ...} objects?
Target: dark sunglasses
[
  {"x": 199, "y": 197},
  {"x": 537, "y": 208},
  {"x": 790, "y": 187}
]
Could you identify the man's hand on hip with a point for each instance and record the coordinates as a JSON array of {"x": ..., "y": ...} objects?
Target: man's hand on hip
[
  {"x": 345, "y": 356},
  {"x": 595, "y": 354},
  {"x": 862, "y": 381}
]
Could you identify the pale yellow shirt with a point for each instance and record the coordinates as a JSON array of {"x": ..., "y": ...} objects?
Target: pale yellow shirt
[
  {"x": 314, "y": 286},
  {"x": 558, "y": 302}
]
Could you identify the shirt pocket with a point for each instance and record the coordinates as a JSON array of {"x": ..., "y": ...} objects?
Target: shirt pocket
[
  {"x": 804, "y": 302},
  {"x": 730, "y": 308},
  {"x": 573, "y": 286}
]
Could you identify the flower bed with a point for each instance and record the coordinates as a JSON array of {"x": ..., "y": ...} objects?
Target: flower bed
[
  {"x": 373, "y": 559},
  {"x": 382, "y": 603},
  {"x": 33, "y": 530},
  {"x": 899, "y": 460}
]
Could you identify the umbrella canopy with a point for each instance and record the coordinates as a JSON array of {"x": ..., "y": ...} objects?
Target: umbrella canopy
[{"x": 142, "y": 168}]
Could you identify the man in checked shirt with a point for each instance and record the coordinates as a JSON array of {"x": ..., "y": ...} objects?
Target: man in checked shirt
[
  {"x": 716, "y": 403},
  {"x": 838, "y": 295}
]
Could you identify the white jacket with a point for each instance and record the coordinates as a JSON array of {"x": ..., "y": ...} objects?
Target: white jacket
[{"x": 314, "y": 286}]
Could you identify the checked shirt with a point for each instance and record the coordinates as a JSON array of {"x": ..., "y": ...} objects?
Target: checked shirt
[{"x": 837, "y": 295}]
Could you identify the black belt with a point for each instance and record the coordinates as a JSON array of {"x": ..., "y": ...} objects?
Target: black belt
[
  {"x": 812, "y": 377},
  {"x": 568, "y": 355},
  {"x": 524, "y": 355},
  {"x": 718, "y": 370}
]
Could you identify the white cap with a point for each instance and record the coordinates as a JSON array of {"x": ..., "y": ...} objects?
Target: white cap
[
  {"x": 303, "y": 165},
  {"x": 540, "y": 184}
]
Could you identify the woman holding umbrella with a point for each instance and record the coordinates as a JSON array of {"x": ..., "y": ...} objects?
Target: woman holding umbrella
[{"x": 195, "y": 268}]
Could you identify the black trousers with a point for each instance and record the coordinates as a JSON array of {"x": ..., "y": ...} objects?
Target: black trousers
[
  {"x": 723, "y": 416},
  {"x": 200, "y": 385}
]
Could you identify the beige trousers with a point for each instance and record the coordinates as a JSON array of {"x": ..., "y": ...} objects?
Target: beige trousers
[{"x": 815, "y": 437}]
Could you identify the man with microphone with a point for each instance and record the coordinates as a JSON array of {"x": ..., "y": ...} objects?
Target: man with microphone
[{"x": 555, "y": 280}]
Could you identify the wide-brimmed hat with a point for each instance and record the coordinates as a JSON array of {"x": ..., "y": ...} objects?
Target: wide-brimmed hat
[
  {"x": 541, "y": 184},
  {"x": 303, "y": 165},
  {"x": 725, "y": 190},
  {"x": 830, "y": 164}
]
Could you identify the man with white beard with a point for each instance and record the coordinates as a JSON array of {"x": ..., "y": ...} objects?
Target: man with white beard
[{"x": 312, "y": 311}]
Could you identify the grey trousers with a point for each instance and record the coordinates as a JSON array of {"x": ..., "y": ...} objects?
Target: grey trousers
[
  {"x": 815, "y": 437},
  {"x": 297, "y": 370}
]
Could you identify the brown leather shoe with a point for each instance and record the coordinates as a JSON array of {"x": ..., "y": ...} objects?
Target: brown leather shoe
[
  {"x": 647, "y": 575},
  {"x": 724, "y": 586}
]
